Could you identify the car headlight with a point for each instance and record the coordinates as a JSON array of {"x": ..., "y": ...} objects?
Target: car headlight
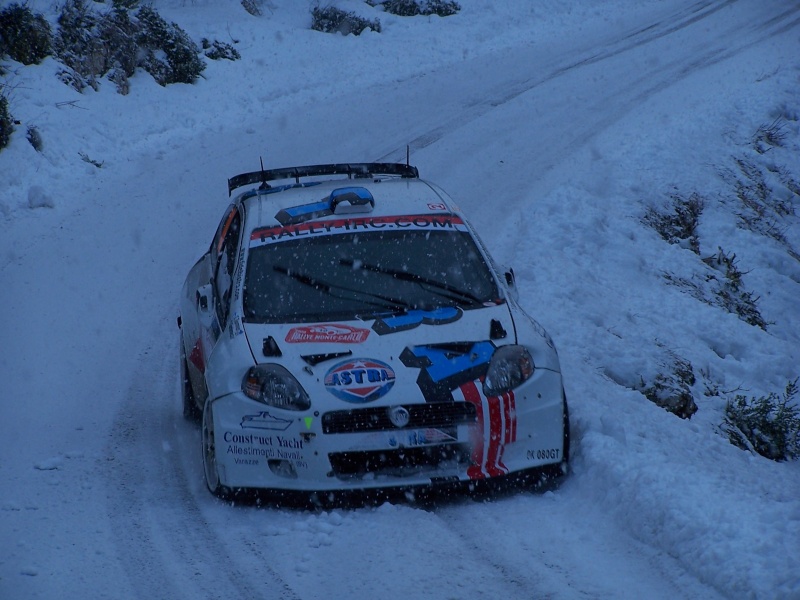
[
  {"x": 275, "y": 386},
  {"x": 510, "y": 366}
]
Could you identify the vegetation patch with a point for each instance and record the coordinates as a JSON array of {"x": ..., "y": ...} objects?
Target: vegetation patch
[
  {"x": 6, "y": 122},
  {"x": 766, "y": 194},
  {"x": 767, "y": 425},
  {"x": 334, "y": 20},
  {"x": 35, "y": 138},
  {"x": 92, "y": 45},
  {"x": 722, "y": 286},
  {"x": 219, "y": 50},
  {"x": 24, "y": 36},
  {"x": 253, "y": 7},
  {"x": 412, "y": 8},
  {"x": 672, "y": 389},
  {"x": 678, "y": 225}
]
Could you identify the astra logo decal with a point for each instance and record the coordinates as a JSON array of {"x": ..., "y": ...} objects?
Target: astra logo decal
[
  {"x": 271, "y": 235},
  {"x": 415, "y": 318},
  {"x": 333, "y": 333},
  {"x": 360, "y": 380},
  {"x": 264, "y": 420}
]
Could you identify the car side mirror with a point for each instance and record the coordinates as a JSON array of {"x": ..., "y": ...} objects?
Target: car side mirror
[
  {"x": 203, "y": 297},
  {"x": 510, "y": 277},
  {"x": 511, "y": 283}
]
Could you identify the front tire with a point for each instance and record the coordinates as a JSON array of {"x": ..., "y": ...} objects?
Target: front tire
[
  {"x": 210, "y": 454},
  {"x": 190, "y": 410}
]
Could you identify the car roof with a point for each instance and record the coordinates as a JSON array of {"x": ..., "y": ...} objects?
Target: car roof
[{"x": 331, "y": 197}]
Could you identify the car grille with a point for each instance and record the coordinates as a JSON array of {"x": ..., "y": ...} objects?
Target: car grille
[
  {"x": 436, "y": 414},
  {"x": 405, "y": 461}
]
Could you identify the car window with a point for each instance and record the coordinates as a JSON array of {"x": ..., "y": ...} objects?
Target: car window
[
  {"x": 359, "y": 275},
  {"x": 222, "y": 229},
  {"x": 224, "y": 266}
]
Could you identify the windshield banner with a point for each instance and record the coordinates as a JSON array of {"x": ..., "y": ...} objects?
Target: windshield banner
[{"x": 271, "y": 235}]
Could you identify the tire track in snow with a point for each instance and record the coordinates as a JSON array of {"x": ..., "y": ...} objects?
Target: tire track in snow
[
  {"x": 565, "y": 551},
  {"x": 650, "y": 83},
  {"x": 165, "y": 542}
]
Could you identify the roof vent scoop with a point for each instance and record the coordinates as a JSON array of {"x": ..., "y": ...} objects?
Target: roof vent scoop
[{"x": 349, "y": 200}]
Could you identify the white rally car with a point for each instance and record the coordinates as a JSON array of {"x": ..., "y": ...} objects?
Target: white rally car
[{"x": 347, "y": 330}]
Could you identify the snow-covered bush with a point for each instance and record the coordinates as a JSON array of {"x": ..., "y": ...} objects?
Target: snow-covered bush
[
  {"x": 91, "y": 45},
  {"x": 24, "y": 36},
  {"x": 730, "y": 292},
  {"x": 35, "y": 138},
  {"x": 411, "y": 8},
  {"x": 766, "y": 194},
  {"x": 253, "y": 7},
  {"x": 115, "y": 43},
  {"x": 771, "y": 135},
  {"x": 170, "y": 55},
  {"x": 768, "y": 425},
  {"x": 672, "y": 389},
  {"x": 678, "y": 226},
  {"x": 6, "y": 122},
  {"x": 334, "y": 20},
  {"x": 217, "y": 50}
]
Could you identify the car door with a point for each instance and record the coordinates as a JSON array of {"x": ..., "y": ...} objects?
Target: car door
[{"x": 207, "y": 297}]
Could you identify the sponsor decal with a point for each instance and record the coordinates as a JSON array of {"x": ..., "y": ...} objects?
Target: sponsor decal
[
  {"x": 237, "y": 276},
  {"x": 359, "y": 380},
  {"x": 235, "y": 328},
  {"x": 444, "y": 367},
  {"x": 414, "y": 318},
  {"x": 304, "y": 212},
  {"x": 496, "y": 427},
  {"x": 420, "y": 437},
  {"x": 264, "y": 420},
  {"x": 456, "y": 372},
  {"x": 252, "y": 445},
  {"x": 271, "y": 235},
  {"x": 327, "y": 333},
  {"x": 437, "y": 206}
]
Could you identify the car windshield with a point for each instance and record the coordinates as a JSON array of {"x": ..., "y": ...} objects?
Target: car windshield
[{"x": 359, "y": 275}]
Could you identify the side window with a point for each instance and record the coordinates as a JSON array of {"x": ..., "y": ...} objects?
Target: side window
[
  {"x": 222, "y": 229},
  {"x": 224, "y": 255}
]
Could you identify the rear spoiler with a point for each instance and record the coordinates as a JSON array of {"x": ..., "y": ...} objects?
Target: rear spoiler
[{"x": 358, "y": 170}]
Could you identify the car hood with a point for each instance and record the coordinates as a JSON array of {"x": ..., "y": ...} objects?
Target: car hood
[{"x": 359, "y": 361}]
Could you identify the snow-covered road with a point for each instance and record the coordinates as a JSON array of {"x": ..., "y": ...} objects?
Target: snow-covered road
[{"x": 102, "y": 493}]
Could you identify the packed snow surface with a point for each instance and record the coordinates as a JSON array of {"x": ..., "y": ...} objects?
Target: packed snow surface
[{"x": 559, "y": 126}]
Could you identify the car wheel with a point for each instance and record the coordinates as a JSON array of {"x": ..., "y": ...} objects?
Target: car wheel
[
  {"x": 190, "y": 410},
  {"x": 210, "y": 454}
]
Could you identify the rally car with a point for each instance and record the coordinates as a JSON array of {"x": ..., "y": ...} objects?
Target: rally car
[{"x": 347, "y": 330}]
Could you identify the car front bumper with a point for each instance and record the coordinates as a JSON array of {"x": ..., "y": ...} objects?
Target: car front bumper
[{"x": 472, "y": 438}]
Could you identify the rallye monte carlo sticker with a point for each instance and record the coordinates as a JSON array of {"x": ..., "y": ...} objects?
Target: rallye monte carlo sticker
[
  {"x": 327, "y": 333},
  {"x": 456, "y": 372},
  {"x": 359, "y": 380}
]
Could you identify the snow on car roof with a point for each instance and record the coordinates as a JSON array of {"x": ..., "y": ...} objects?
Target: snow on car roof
[{"x": 317, "y": 200}]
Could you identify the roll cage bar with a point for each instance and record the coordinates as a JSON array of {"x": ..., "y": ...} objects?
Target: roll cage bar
[{"x": 352, "y": 170}]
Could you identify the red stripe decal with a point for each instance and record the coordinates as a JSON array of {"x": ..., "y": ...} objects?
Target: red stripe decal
[
  {"x": 471, "y": 395},
  {"x": 495, "y": 454},
  {"x": 196, "y": 357}
]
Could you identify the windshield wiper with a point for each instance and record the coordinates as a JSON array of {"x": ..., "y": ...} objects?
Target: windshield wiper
[
  {"x": 439, "y": 287},
  {"x": 386, "y": 302}
]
